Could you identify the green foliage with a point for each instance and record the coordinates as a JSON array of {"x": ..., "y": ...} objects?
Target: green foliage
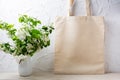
[
  {"x": 33, "y": 22},
  {"x": 27, "y": 39}
]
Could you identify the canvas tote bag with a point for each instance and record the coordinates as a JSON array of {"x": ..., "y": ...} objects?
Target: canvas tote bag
[{"x": 79, "y": 44}]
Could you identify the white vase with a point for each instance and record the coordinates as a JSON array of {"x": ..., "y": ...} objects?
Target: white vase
[{"x": 25, "y": 67}]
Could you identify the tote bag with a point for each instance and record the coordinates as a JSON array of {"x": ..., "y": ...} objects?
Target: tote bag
[{"x": 79, "y": 44}]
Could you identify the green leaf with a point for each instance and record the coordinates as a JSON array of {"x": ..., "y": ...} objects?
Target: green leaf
[
  {"x": 21, "y": 19},
  {"x": 12, "y": 32},
  {"x": 38, "y": 21},
  {"x": 9, "y": 26},
  {"x": 52, "y": 27},
  {"x": 35, "y": 33},
  {"x": 45, "y": 28},
  {"x": 48, "y": 43}
]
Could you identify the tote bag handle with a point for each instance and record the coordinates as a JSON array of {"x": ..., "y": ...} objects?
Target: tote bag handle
[{"x": 71, "y": 4}]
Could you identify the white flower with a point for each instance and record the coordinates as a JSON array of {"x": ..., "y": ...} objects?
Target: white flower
[
  {"x": 21, "y": 35},
  {"x": 29, "y": 47},
  {"x": 46, "y": 38},
  {"x": 21, "y": 57}
]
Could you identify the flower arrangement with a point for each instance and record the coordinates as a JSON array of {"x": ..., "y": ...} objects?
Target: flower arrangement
[{"x": 28, "y": 38}]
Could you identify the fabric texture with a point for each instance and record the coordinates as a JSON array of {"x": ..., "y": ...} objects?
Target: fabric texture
[{"x": 79, "y": 45}]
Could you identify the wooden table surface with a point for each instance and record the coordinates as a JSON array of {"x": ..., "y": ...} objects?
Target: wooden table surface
[{"x": 51, "y": 76}]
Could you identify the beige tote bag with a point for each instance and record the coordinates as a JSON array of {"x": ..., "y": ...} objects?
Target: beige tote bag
[{"x": 79, "y": 44}]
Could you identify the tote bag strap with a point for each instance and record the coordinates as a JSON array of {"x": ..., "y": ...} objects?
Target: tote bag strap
[
  {"x": 88, "y": 8},
  {"x": 71, "y": 4}
]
